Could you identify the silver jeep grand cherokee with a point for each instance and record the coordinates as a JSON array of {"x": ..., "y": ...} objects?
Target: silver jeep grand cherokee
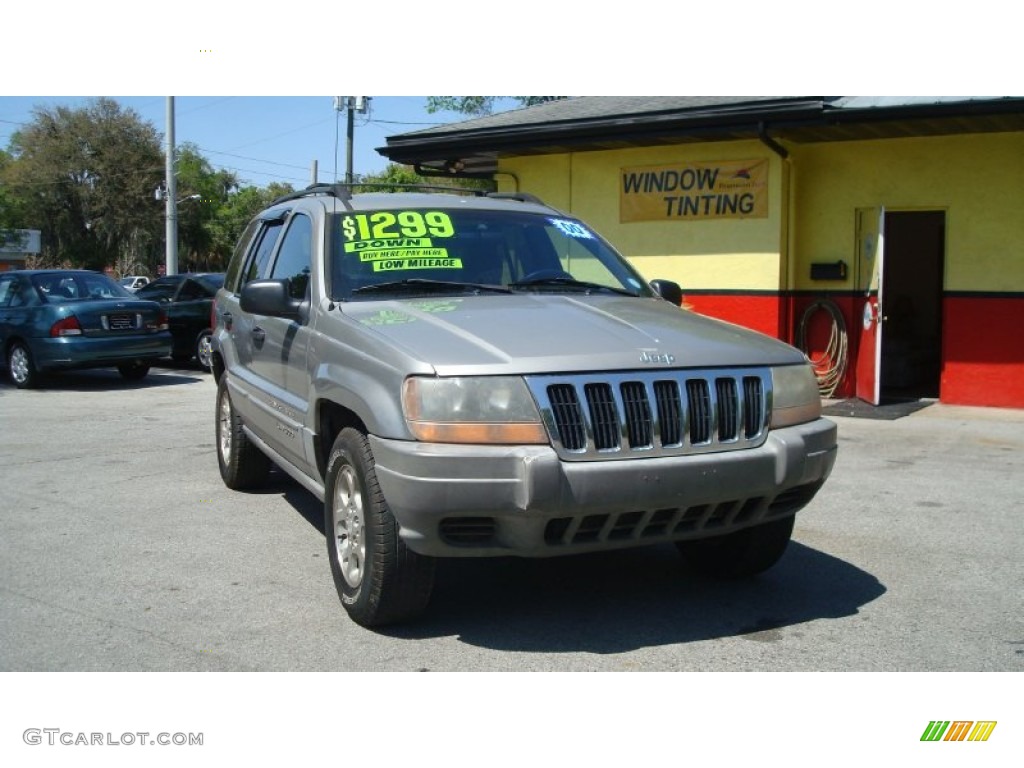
[{"x": 474, "y": 376}]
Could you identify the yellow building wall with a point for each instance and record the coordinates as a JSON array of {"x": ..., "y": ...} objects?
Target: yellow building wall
[
  {"x": 977, "y": 179},
  {"x": 717, "y": 254}
]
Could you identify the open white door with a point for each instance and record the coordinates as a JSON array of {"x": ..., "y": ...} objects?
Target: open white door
[{"x": 870, "y": 247}]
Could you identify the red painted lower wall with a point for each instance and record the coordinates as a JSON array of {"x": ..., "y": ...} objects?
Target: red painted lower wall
[
  {"x": 983, "y": 351},
  {"x": 982, "y": 338}
]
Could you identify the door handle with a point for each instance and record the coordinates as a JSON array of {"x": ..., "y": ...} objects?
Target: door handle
[
  {"x": 258, "y": 337},
  {"x": 227, "y": 318}
]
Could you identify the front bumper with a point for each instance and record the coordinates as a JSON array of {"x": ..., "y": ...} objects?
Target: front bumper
[{"x": 459, "y": 500}]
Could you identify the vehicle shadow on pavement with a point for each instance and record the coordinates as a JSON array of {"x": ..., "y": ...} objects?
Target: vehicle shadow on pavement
[
  {"x": 614, "y": 602},
  {"x": 620, "y": 601},
  {"x": 104, "y": 379}
]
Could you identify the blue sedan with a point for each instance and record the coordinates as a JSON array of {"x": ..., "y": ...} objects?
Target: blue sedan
[{"x": 61, "y": 319}]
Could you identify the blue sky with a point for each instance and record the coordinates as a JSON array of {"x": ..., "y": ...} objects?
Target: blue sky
[{"x": 262, "y": 138}]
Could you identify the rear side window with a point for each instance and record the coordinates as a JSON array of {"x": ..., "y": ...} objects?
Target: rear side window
[
  {"x": 238, "y": 256},
  {"x": 8, "y": 287},
  {"x": 257, "y": 266}
]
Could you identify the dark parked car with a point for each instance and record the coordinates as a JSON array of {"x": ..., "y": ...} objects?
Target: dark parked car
[
  {"x": 188, "y": 299},
  {"x": 63, "y": 319}
]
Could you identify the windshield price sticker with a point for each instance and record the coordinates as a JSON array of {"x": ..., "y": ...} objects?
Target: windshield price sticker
[
  {"x": 405, "y": 264},
  {"x": 572, "y": 229},
  {"x": 393, "y": 225}
]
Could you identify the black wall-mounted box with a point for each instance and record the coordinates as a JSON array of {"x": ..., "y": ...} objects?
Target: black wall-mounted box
[{"x": 828, "y": 271}]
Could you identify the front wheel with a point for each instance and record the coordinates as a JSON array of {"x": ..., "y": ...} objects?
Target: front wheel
[
  {"x": 242, "y": 464},
  {"x": 21, "y": 367},
  {"x": 740, "y": 554},
  {"x": 379, "y": 580}
]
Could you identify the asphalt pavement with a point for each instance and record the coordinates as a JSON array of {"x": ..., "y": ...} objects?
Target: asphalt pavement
[{"x": 121, "y": 550}]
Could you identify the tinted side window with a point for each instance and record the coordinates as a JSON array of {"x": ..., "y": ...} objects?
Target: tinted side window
[
  {"x": 295, "y": 256},
  {"x": 190, "y": 291},
  {"x": 238, "y": 256},
  {"x": 257, "y": 267},
  {"x": 7, "y": 290},
  {"x": 164, "y": 288}
]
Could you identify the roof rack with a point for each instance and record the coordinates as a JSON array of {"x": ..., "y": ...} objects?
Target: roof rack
[
  {"x": 522, "y": 197},
  {"x": 343, "y": 191}
]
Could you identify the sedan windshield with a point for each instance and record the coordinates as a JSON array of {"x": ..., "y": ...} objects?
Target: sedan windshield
[{"x": 458, "y": 251}]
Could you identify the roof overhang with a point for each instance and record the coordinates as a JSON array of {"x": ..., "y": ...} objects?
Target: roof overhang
[{"x": 473, "y": 148}]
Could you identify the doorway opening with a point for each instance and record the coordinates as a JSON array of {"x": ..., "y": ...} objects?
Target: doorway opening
[{"x": 912, "y": 280}]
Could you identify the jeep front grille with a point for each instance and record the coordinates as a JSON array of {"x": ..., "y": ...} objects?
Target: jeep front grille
[{"x": 648, "y": 413}]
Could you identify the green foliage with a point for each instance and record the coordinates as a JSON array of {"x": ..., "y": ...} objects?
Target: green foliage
[
  {"x": 204, "y": 193},
  {"x": 231, "y": 217},
  {"x": 12, "y": 208},
  {"x": 85, "y": 177},
  {"x": 479, "y": 105},
  {"x": 401, "y": 176}
]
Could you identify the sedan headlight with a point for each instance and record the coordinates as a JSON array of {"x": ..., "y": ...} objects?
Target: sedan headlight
[
  {"x": 496, "y": 410},
  {"x": 795, "y": 397}
]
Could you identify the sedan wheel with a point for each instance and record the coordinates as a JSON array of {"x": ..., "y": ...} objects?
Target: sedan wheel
[
  {"x": 22, "y": 369},
  {"x": 204, "y": 350}
]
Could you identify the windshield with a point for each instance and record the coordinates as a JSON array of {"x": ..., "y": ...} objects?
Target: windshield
[{"x": 452, "y": 251}]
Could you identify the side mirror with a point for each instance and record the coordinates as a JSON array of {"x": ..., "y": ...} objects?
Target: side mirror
[
  {"x": 669, "y": 291},
  {"x": 270, "y": 297}
]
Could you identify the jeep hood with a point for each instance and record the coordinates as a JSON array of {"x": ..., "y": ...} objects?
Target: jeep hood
[{"x": 546, "y": 333}]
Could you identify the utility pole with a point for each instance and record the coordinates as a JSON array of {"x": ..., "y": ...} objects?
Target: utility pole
[
  {"x": 349, "y": 142},
  {"x": 171, "y": 256},
  {"x": 352, "y": 104}
]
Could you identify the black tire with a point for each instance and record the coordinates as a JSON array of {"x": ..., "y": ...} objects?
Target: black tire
[
  {"x": 242, "y": 464},
  {"x": 21, "y": 367},
  {"x": 740, "y": 554},
  {"x": 204, "y": 350},
  {"x": 133, "y": 371},
  {"x": 379, "y": 579}
]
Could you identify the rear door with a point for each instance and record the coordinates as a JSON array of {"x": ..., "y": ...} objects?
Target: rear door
[
  {"x": 280, "y": 344},
  {"x": 870, "y": 255},
  {"x": 245, "y": 335}
]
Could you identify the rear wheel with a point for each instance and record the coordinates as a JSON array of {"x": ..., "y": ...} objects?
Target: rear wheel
[
  {"x": 242, "y": 464},
  {"x": 21, "y": 367},
  {"x": 133, "y": 371},
  {"x": 379, "y": 579},
  {"x": 741, "y": 554}
]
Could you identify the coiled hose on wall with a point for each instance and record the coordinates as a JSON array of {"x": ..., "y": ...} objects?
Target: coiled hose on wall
[{"x": 830, "y": 364}]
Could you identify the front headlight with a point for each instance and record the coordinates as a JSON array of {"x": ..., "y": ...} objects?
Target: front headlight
[
  {"x": 496, "y": 410},
  {"x": 795, "y": 397}
]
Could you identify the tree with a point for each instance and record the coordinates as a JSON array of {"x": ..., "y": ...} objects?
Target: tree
[
  {"x": 11, "y": 205},
  {"x": 403, "y": 175},
  {"x": 233, "y": 214},
  {"x": 479, "y": 105},
  {"x": 85, "y": 177},
  {"x": 204, "y": 193}
]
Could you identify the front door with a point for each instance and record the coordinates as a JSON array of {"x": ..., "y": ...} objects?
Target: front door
[{"x": 870, "y": 252}]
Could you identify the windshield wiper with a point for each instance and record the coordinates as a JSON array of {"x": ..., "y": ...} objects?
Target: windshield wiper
[
  {"x": 419, "y": 284},
  {"x": 571, "y": 283}
]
